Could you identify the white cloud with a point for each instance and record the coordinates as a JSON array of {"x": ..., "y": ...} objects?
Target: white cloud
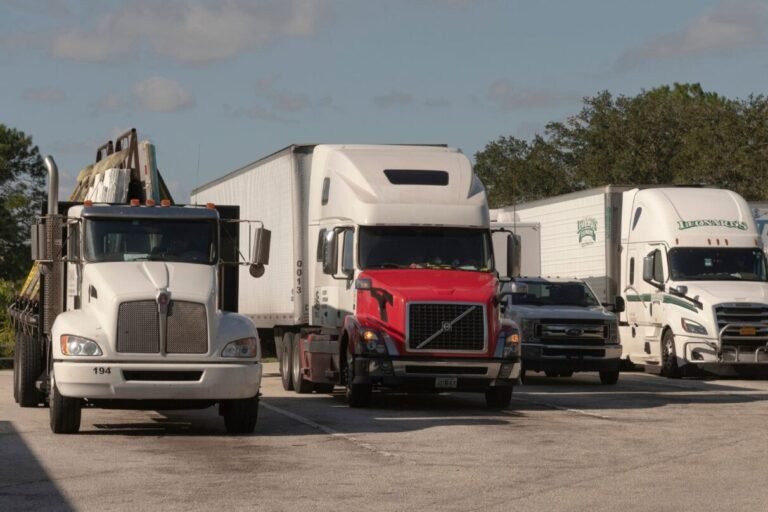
[
  {"x": 192, "y": 32},
  {"x": 45, "y": 95},
  {"x": 507, "y": 97},
  {"x": 159, "y": 94},
  {"x": 393, "y": 99},
  {"x": 731, "y": 24}
]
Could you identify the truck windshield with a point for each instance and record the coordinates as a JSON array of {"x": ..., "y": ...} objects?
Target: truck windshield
[
  {"x": 716, "y": 264},
  {"x": 556, "y": 294},
  {"x": 425, "y": 247},
  {"x": 150, "y": 240}
]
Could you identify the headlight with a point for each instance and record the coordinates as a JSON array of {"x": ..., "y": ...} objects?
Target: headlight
[
  {"x": 612, "y": 337},
  {"x": 372, "y": 342},
  {"x": 692, "y": 327},
  {"x": 510, "y": 337},
  {"x": 78, "y": 346},
  {"x": 246, "y": 347}
]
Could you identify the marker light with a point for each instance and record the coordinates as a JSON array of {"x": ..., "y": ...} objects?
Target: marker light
[
  {"x": 210, "y": 206},
  {"x": 165, "y": 203},
  {"x": 150, "y": 202},
  {"x": 135, "y": 202},
  {"x": 87, "y": 202}
]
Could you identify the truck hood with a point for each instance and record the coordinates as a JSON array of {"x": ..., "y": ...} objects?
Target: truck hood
[
  {"x": 562, "y": 312},
  {"x": 716, "y": 292},
  {"x": 123, "y": 281}
]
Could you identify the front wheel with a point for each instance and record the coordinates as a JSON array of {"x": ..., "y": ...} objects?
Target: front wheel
[
  {"x": 240, "y": 416},
  {"x": 498, "y": 397},
  {"x": 358, "y": 395},
  {"x": 609, "y": 377},
  {"x": 669, "y": 356},
  {"x": 30, "y": 359},
  {"x": 65, "y": 412}
]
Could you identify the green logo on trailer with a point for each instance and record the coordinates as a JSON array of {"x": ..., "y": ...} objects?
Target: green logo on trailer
[
  {"x": 733, "y": 224},
  {"x": 587, "y": 228}
]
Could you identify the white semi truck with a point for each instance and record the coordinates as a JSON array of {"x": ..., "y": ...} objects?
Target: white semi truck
[
  {"x": 414, "y": 303},
  {"x": 688, "y": 262},
  {"x": 129, "y": 312}
]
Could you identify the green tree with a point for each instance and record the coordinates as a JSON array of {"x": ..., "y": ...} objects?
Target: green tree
[
  {"x": 677, "y": 134},
  {"x": 22, "y": 185}
]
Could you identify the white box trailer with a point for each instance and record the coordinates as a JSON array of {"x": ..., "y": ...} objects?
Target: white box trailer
[
  {"x": 687, "y": 262},
  {"x": 415, "y": 304}
]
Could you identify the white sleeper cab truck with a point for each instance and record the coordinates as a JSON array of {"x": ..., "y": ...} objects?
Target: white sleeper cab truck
[
  {"x": 130, "y": 313},
  {"x": 688, "y": 262},
  {"x": 382, "y": 271}
]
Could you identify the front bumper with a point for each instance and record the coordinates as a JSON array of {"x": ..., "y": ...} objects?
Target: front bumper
[
  {"x": 705, "y": 357},
  {"x": 436, "y": 375},
  {"x": 578, "y": 358},
  {"x": 146, "y": 381}
]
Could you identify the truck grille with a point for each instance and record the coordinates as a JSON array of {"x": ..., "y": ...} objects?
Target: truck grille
[
  {"x": 748, "y": 324},
  {"x": 138, "y": 328},
  {"x": 446, "y": 327},
  {"x": 572, "y": 332}
]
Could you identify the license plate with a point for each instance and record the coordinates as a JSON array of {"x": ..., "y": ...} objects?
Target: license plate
[
  {"x": 446, "y": 382},
  {"x": 748, "y": 331}
]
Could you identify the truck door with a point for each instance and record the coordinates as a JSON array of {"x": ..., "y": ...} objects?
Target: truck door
[
  {"x": 643, "y": 302},
  {"x": 333, "y": 295}
]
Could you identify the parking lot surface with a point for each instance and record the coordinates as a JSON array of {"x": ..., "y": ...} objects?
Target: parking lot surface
[{"x": 564, "y": 444}]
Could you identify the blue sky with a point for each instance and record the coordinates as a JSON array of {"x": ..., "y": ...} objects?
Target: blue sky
[{"x": 238, "y": 80}]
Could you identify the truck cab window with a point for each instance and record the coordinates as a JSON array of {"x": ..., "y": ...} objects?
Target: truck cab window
[{"x": 658, "y": 266}]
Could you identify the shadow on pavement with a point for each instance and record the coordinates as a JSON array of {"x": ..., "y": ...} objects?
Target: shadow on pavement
[{"x": 24, "y": 483}]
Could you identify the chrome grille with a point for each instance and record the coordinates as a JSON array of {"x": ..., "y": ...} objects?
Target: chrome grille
[
  {"x": 746, "y": 324},
  {"x": 187, "y": 328},
  {"x": 445, "y": 326},
  {"x": 572, "y": 331},
  {"x": 138, "y": 327}
]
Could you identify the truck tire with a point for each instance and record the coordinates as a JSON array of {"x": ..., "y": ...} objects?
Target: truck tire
[
  {"x": 609, "y": 377},
  {"x": 324, "y": 388},
  {"x": 285, "y": 361},
  {"x": 240, "y": 416},
  {"x": 65, "y": 413},
  {"x": 16, "y": 367},
  {"x": 30, "y": 359},
  {"x": 300, "y": 384},
  {"x": 498, "y": 397},
  {"x": 358, "y": 395},
  {"x": 668, "y": 356}
]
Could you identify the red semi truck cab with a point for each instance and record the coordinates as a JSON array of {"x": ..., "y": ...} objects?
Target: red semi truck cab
[{"x": 383, "y": 270}]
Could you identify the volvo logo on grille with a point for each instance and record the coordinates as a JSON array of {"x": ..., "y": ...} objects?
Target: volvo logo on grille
[
  {"x": 447, "y": 326},
  {"x": 574, "y": 332}
]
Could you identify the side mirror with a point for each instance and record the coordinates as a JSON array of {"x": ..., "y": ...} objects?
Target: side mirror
[
  {"x": 330, "y": 253},
  {"x": 73, "y": 242},
  {"x": 514, "y": 255},
  {"x": 262, "y": 238},
  {"x": 620, "y": 305}
]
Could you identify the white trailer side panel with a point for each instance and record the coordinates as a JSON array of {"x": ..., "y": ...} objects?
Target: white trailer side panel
[
  {"x": 264, "y": 192},
  {"x": 573, "y": 237}
]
